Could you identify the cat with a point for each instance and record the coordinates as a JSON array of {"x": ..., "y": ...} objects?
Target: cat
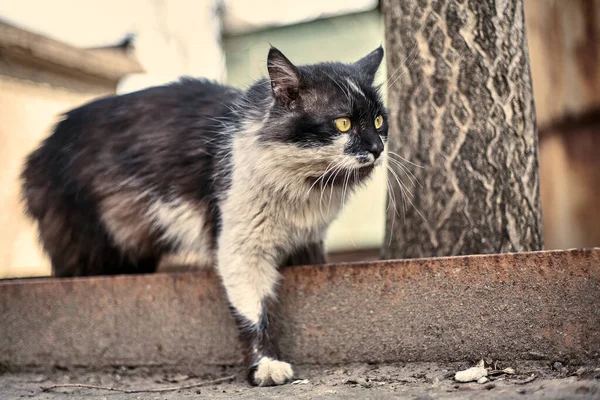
[{"x": 248, "y": 181}]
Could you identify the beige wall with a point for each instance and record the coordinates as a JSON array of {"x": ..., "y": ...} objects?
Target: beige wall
[
  {"x": 27, "y": 111},
  {"x": 174, "y": 38}
]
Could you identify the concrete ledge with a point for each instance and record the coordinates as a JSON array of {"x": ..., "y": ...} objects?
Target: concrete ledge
[{"x": 543, "y": 305}]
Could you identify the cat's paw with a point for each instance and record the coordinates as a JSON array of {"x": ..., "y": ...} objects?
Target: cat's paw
[{"x": 269, "y": 372}]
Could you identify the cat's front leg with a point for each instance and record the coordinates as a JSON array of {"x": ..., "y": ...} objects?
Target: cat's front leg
[{"x": 249, "y": 273}]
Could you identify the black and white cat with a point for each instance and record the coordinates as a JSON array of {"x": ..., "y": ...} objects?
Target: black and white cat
[{"x": 248, "y": 181}]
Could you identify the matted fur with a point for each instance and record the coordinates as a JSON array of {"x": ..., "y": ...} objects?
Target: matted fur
[{"x": 251, "y": 180}]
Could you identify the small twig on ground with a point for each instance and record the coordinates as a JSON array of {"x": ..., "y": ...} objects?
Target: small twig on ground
[
  {"x": 505, "y": 371},
  {"x": 530, "y": 379},
  {"x": 167, "y": 389}
]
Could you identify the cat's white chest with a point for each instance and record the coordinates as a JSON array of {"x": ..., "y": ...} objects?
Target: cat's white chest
[{"x": 306, "y": 220}]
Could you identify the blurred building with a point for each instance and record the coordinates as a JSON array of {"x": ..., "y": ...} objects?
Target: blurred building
[
  {"x": 564, "y": 48},
  {"x": 227, "y": 40}
]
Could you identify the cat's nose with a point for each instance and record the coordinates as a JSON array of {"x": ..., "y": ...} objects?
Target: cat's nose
[{"x": 376, "y": 149}]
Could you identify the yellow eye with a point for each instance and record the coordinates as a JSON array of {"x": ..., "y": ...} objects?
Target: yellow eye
[
  {"x": 343, "y": 124},
  {"x": 378, "y": 122}
]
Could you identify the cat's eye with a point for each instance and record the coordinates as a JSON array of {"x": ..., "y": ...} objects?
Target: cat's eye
[
  {"x": 378, "y": 122},
  {"x": 343, "y": 124}
]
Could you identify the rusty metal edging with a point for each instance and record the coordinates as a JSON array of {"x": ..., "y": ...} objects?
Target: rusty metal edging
[{"x": 525, "y": 305}]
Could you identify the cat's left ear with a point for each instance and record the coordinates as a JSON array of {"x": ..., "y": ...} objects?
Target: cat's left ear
[
  {"x": 369, "y": 64},
  {"x": 285, "y": 77}
]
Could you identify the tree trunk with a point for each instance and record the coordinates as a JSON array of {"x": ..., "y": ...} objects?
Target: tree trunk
[{"x": 461, "y": 108}]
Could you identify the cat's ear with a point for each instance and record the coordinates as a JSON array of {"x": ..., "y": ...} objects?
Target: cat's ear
[
  {"x": 369, "y": 64},
  {"x": 285, "y": 77}
]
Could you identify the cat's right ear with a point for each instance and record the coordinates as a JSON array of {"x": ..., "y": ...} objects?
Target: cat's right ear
[
  {"x": 285, "y": 78},
  {"x": 370, "y": 63}
]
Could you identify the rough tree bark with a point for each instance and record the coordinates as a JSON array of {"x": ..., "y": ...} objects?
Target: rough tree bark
[{"x": 461, "y": 107}]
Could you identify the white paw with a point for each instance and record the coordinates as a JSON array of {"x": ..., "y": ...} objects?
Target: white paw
[{"x": 272, "y": 372}]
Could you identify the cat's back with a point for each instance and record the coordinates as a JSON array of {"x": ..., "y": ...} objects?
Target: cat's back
[
  {"x": 160, "y": 113},
  {"x": 148, "y": 134},
  {"x": 118, "y": 172}
]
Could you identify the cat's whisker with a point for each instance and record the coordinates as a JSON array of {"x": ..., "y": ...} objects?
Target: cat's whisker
[
  {"x": 349, "y": 97},
  {"x": 346, "y": 92},
  {"x": 314, "y": 183},
  {"x": 331, "y": 177},
  {"x": 336, "y": 166},
  {"x": 230, "y": 108},
  {"x": 392, "y": 197},
  {"x": 344, "y": 182},
  {"x": 408, "y": 198},
  {"x": 403, "y": 62},
  {"x": 404, "y": 159},
  {"x": 403, "y": 72},
  {"x": 343, "y": 200},
  {"x": 400, "y": 185},
  {"x": 340, "y": 169},
  {"x": 409, "y": 175},
  {"x": 403, "y": 167},
  {"x": 320, "y": 178},
  {"x": 400, "y": 163},
  {"x": 389, "y": 195},
  {"x": 400, "y": 182}
]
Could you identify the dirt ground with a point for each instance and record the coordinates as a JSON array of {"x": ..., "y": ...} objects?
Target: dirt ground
[{"x": 535, "y": 380}]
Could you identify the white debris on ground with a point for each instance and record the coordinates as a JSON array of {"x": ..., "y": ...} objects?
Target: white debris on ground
[
  {"x": 300, "y": 382},
  {"x": 480, "y": 373},
  {"x": 472, "y": 374}
]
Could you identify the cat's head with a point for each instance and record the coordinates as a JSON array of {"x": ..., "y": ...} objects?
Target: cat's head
[{"x": 330, "y": 116}]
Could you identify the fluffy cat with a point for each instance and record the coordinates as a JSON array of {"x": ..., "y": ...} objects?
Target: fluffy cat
[{"x": 247, "y": 181}]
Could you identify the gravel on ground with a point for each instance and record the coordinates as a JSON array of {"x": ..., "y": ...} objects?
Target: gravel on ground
[{"x": 526, "y": 379}]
